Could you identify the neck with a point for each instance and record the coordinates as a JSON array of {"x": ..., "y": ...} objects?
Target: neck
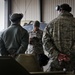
[{"x": 16, "y": 23}]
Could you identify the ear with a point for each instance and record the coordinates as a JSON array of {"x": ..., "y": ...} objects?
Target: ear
[{"x": 57, "y": 8}]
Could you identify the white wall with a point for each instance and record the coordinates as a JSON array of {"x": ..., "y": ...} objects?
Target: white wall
[
  {"x": 1, "y": 15},
  {"x": 49, "y": 11},
  {"x": 30, "y": 9}
]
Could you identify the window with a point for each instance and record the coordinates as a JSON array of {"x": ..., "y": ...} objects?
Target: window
[{"x": 1, "y": 15}]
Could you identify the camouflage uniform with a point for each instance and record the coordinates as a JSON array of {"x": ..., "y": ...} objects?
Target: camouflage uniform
[
  {"x": 62, "y": 31},
  {"x": 37, "y": 46}
]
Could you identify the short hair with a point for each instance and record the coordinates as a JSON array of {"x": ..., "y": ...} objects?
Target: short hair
[{"x": 37, "y": 24}]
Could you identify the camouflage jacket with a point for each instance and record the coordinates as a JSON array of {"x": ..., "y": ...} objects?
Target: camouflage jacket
[
  {"x": 61, "y": 33},
  {"x": 37, "y": 46}
]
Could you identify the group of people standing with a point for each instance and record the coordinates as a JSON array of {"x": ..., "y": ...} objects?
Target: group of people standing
[{"x": 58, "y": 39}]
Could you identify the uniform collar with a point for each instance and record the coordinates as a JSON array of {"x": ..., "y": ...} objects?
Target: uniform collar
[{"x": 66, "y": 14}]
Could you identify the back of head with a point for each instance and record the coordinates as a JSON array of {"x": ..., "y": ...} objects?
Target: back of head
[
  {"x": 37, "y": 24},
  {"x": 64, "y": 7},
  {"x": 16, "y": 17}
]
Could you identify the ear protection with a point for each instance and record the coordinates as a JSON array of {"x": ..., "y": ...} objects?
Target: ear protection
[
  {"x": 64, "y": 7},
  {"x": 57, "y": 8}
]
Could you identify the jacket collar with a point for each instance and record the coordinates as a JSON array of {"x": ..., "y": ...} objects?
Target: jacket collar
[
  {"x": 65, "y": 14},
  {"x": 15, "y": 24}
]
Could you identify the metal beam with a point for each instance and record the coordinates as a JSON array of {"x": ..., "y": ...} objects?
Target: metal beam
[
  {"x": 40, "y": 3},
  {"x": 7, "y": 12}
]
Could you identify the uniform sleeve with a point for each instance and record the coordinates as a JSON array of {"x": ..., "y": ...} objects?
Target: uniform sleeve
[
  {"x": 46, "y": 39},
  {"x": 24, "y": 44},
  {"x": 48, "y": 42}
]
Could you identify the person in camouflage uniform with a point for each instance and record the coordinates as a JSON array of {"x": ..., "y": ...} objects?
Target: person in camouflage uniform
[
  {"x": 35, "y": 39},
  {"x": 59, "y": 37}
]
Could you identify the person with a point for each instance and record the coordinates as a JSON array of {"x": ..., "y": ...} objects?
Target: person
[
  {"x": 35, "y": 44},
  {"x": 59, "y": 40},
  {"x": 35, "y": 38},
  {"x": 14, "y": 40}
]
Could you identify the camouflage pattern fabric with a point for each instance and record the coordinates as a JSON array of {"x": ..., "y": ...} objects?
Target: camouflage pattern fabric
[
  {"x": 37, "y": 46},
  {"x": 62, "y": 31}
]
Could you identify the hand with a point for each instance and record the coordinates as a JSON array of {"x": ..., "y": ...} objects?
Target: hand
[{"x": 64, "y": 57}]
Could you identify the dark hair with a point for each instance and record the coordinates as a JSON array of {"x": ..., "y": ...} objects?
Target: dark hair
[
  {"x": 37, "y": 24},
  {"x": 16, "y": 17},
  {"x": 64, "y": 7}
]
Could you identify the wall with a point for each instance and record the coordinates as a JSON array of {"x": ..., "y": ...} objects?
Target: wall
[
  {"x": 49, "y": 11},
  {"x": 1, "y": 15},
  {"x": 30, "y": 9}
]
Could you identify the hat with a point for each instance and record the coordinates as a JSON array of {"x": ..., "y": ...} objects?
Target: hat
[
  {"x": 16, "y": 17},
  {"x": 64, "y": 6}
]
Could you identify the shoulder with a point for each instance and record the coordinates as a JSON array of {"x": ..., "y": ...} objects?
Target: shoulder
[
  {"x": 4, "y": 31},
  {"x": 51, "y": 24},
  {"x": 58, "y": 19},
  {"x": 22, "y": 30}
]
